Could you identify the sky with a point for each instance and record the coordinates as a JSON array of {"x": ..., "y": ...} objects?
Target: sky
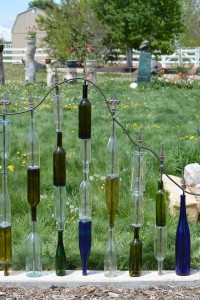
[{"x": 9, "y": 9}]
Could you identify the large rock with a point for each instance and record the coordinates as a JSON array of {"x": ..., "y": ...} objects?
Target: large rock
[
  {"x": 192, "y": 174},
  {"x": 192, "y": 205}
]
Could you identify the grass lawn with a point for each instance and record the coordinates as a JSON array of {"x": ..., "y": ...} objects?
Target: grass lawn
[{"x": 168, "y": 114}]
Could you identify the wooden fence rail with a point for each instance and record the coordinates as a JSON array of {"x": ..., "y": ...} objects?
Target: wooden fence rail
[{"x": 181, "y": 57}]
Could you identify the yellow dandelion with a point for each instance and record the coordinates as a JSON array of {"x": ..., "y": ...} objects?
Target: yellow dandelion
[
  {"x": 18, "y": 152},
  {"x": 0, "y": 167},
  {"x": 23, "y": 154},
  {"x": 10, "y": 168}
]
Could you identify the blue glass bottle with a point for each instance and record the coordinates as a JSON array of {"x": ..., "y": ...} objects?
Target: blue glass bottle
[
  {"x": 85, "y": 243},
  {"x": 182, "y": 247}
]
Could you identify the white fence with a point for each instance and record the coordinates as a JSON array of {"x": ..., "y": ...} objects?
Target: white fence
[
  {"x": 15, "y": 55},
  {"x": 181, "y": 57}
]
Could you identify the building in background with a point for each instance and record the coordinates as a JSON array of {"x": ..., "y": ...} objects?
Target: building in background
[{"x": 23, "y": 21}]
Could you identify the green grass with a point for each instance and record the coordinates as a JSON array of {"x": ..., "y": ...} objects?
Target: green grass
[{"x": 169, "y": 115}]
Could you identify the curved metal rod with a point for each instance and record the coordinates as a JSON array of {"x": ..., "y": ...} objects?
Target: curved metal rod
[{"x": 114, "y": 119}]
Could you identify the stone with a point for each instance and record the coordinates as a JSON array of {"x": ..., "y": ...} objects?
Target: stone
[
  {"x": 156, "y": 67},
  {"x": 192, "y": 174},
  {"x": 192, "y": 205}
]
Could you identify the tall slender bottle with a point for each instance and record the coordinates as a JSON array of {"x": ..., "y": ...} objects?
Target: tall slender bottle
[
  {"x": 160, "y": 205},
  {"x": 59, "y": 183},
  {"x": 60, "y": 259},
  {"x": 85, "y": 191},
  {"x": 135, "y": 260},
  {"x": 5, "y": 205},
  {"x": 182, "y": 246},
  {"x": 34, "y": 243},
  {"x": 112, "y": 185}
]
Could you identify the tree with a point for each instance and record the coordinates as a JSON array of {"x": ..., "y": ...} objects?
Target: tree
[
  {"x": 132, "y": 21},
  {"x": 191, "y": 13},
  {"x": 72, "y": 24},
  {"x": 42, "y": 4}
]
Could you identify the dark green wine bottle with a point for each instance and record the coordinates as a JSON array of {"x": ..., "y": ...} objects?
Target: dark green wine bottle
[
  {"x": 135, "y": 259},
  {"x": 60, "y": 259},
  {"x": 160, "y": 205},
  {"x": 84, "y": 116},
  {"x": 59, "y": 163}
]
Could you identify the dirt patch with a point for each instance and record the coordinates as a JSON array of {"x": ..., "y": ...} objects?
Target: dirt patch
[{"x": 106, "y": 292}]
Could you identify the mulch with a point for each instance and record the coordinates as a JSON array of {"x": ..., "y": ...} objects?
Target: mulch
[{"x": 103, "y": 293}]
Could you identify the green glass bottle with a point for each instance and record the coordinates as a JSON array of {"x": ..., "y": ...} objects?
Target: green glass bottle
[
  {"x": 59, "y": 163},
  {"x": 60, "y": 259},
  {"x": 135, "y": 259},
  {"x": 160, "y": 205},
  {"x": 84, "y": 116}
]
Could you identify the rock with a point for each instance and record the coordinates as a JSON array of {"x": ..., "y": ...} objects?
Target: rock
[
  {"x": 192, "y": 205},
  {"x": 192, "y": 174},
  {"x": 155, "y": 67}
]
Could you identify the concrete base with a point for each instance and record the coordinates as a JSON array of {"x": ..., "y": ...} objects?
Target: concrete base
[{"x": 97, "y": 278}]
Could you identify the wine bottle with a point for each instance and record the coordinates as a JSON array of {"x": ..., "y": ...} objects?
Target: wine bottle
[
  {"x": 160, "y": 205},
  {"x": 33, "y": 254},
  {"x": 135, "y": 259},
  {"x": 85, "y": 228},
  {"x": 59, "y": 163},
  {"x": 60, "y": 259},
  {"x": 112, "y": 196},
  {"x": 5, "y": 246},
  {"x": 33, "y": 185},
  {"x": 84, "y": 116},
  {"x": 182, "y": 246}
]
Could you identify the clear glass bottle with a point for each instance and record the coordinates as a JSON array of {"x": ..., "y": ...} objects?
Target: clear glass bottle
[
  {"x": 138, "y": 171},
  {"x": 160, "y": 246},
  {"x": 137, "y": 209},
  {"x": 110, "y": 260},
  {"x": 57, "y": 111},
  {"x": 33, "y": 253},
  {"x": 5, "y": 138},
  {"x": 135, "y": 258}
]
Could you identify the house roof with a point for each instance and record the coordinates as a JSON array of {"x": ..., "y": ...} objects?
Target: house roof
[{"x": 34, "y": 10}]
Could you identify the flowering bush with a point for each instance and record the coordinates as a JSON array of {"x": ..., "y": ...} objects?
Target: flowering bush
[
  {"x": 31, "y": 31},
  {"x": 90, "y": 52},
  {"x": 71, "y": 53}
]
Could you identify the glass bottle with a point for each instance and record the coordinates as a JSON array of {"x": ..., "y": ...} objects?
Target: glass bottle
[
  {"x": 60, "y": 259},
  {"x": 33, "y": 167},
  {"x": 110, "y": 260},
  {"x": 112, "y": 184},
  {"x": 33, "y": 253},
  {"x": 160, "y": 246},
  {"x": 85, "y": 228},
  {"x": 137, "y": 209},
  {"x": 59, "y": 163},
  {"x": 57, "y": 110},
  {"x": 138, "y": 171},
  {"x": 160, "y": 205},
  {"x": 135, "y": 259},
  {"x": 84, "y": 115},
  {"x": 182, "y": 246},
  {"x": 5, "y": 205},
  {"x": 5, "y": 138}
]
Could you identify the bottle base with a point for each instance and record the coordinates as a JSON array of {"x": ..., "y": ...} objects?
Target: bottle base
[{"x": 34, "y": 274}]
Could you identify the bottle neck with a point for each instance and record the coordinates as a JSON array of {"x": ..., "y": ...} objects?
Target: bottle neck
[
  {"x": 183, "y": 207},
  {"x": 160, "y": 184},
  {"x": 60, "y": 236},
  {"x": 85, "y": 91},
  {"x": 136, "y": 233},
  {"x": 59, "y": 139},
  {"x": 33, "y": 213}
]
